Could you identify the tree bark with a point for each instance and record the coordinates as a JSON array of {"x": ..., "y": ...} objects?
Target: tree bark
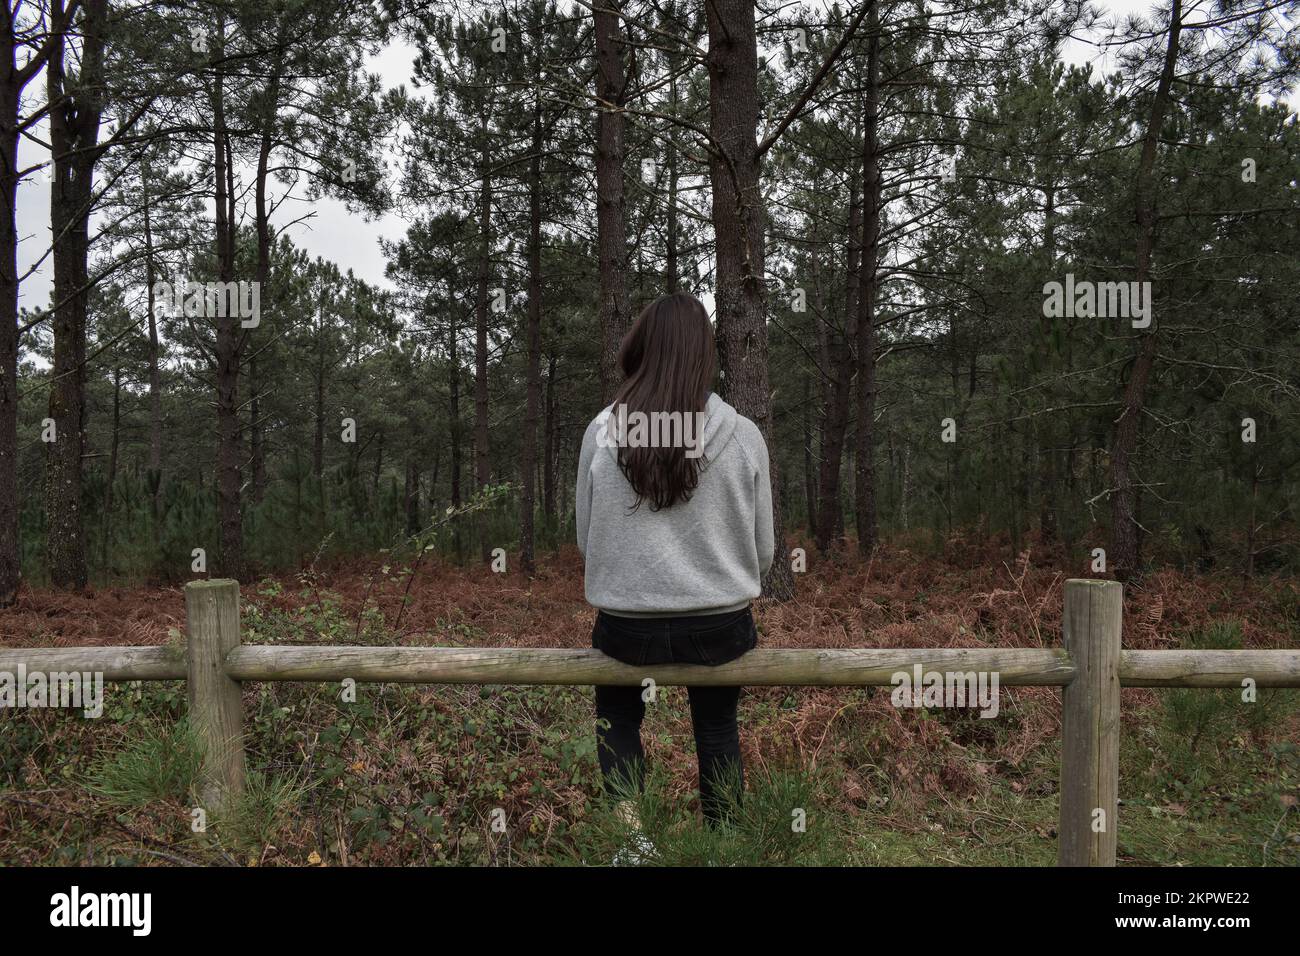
[
  {"x": 739, "y": 223},
  {"x": 453, "y": 389},
  {"x": 809, "y": 467},
  {"x": 318, "y": 405},
  {"x": 830, "y": 522},
  {"x": 533, "y": 400},
  {"x": 672, "y": 279},
  {"x": 482, "y": 464},
  {"x": 115, "y": 442},
  {"x": 154, "y": 474},
  {"x": 266, "y": 141},
  {"x": 227, "y": 344},
  {"x": 75, "y": 113},
  {"x": 864, "y": 452},
  {"x": 1047, "y": 451},
  {"x": 411, "y": 497},
  {"x": 548, "y": 470},
  {"x": 1126, "y": 554},
  {"x": 611, "y": 229},
  {"x": 13, "y": 80}
]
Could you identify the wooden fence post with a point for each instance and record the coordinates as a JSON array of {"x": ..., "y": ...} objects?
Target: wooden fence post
[
  {"x": 1090, "y": 724},
  {"x": 216, "y": 713}
]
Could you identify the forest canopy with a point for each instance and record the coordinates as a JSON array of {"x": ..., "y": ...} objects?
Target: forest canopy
[{"x": 965, "y": 284}]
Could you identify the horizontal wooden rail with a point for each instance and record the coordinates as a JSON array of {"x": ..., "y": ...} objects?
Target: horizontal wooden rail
[
  {"x": 520, "y": 665},
  {"x": 1091, "y": 668},
  {"x": 1209, "y": 668},
  {"x": 821, "y": 667},
  {"x": 115, "y": 663}
]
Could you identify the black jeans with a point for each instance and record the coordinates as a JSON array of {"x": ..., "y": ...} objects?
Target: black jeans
[{"x": 709, "y": 639}]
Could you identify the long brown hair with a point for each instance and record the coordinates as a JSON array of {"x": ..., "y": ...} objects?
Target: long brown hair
[{"x": 668, "y": 358}]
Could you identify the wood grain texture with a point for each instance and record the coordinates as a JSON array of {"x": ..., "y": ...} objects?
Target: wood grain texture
[
  {"x": 1090, "y": 725},
  {"x": 216, "y": 708},
  {"x": 1209, "y": 668},
  {"x": 115, "y": 663},
  {"x": 1268, "y": 668},
  {"x": 764, "y": 666}
]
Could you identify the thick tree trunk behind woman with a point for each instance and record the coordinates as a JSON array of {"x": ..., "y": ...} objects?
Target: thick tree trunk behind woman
[{"x": 739, "y": 224}]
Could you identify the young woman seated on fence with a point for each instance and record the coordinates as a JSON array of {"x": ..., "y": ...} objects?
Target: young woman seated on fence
[{"x": 674, "y": 516}]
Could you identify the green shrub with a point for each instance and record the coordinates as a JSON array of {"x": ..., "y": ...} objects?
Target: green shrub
[{"x": 161, "y": 763}]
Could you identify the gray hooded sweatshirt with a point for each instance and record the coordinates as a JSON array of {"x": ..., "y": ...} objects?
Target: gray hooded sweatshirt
[{"x": 702, "y": 556}]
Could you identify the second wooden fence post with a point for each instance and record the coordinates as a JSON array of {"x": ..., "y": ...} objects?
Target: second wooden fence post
[
  {"x": 1090, "y": 725},
  {"x": 216, "y": 711}
]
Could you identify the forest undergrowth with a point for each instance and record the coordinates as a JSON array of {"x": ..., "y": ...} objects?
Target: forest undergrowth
[{"x": 508, "y": 775}]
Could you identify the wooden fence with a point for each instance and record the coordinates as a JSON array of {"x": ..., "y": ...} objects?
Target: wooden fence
[{"x": 1091, "y": 667}]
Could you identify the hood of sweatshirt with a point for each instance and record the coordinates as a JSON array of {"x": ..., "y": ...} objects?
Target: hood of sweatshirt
[{"x": 719, "y": 423}]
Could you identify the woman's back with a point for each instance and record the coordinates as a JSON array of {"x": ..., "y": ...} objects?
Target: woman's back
[{"x": 703, "y": 555}]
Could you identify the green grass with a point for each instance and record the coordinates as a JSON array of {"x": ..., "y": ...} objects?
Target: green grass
[
  {"x": 266, "y": 806},
  {"x": 159, "y": 761},
  {"x": 783, "y": 820}
]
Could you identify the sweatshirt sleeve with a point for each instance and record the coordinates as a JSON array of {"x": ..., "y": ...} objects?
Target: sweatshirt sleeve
[
  {"x": 763, "y": 535},
  {"x": 582, "y": 492}
]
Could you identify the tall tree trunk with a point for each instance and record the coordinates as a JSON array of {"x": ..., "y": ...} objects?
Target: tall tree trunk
[
  {"x": 1047, "y": 450},
  {"x": 319, "y": 419},
  {"x": 1126, "y": 552},
  {"x": 739, "y": 223},
  {"x": 256, "y": 433},
  {"x": 261, "y": 215},
  {"x": 454, "y": 429},
  {"x": 559, "y": 461},
  {"x": 830, "y": 522},
  {"x": 297, "y": 499},
  {"x": 548, "y": 471},
  {"x": 672, "y": 280},
  {"x": 13, "y": 80},
  {"x": 74, "y": 133},
  {"x": 532, "y": 406},
  {"x": 809, "y": 467},
  {"x": 864, "y": 452},
  {"x": 1248, "y": 568},
  {"x": 411, "y": 498},
  {"x": 482, "y": 463},
  {"x": 611, "y": 229},
  {"x": 10, "y": 92},
  {"x": 153, "y": 475},
  {"x": 227, "y": 345},
  {"x": 434, "y": 472},
  {"x": 115, "y": 442},
  {"x": 453, "y": 388}
]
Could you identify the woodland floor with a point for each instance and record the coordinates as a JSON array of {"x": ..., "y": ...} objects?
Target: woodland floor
[{"x": 413, "y": 775}]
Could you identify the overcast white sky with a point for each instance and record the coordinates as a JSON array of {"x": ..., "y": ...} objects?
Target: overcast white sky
[{"x": 334, "y": 233}]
